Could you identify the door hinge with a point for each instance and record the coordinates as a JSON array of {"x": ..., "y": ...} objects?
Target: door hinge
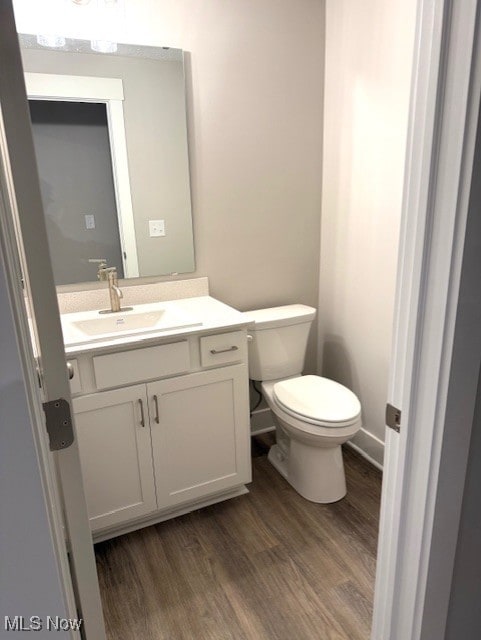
[
  {"x": 393, "y": 417},
  {"x": 59, "y": 424}
]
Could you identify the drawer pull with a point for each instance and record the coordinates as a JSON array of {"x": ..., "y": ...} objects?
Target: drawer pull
[
  {"x": 156, "y": 402},
  {"x": 216, "y": 351},
  {"x": 142, "y": 418}
]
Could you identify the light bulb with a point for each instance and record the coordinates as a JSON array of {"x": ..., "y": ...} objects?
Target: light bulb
[
  {"x": 51, "y": 41},
  {"x": 103, "y": 46}
]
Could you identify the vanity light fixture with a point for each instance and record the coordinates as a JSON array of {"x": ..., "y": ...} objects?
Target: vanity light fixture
[
  {"x": 51, "y": 41},
  {"x": 98, "y": 13},
  {"x": 110, "y": 11},
  {"x": 103, "y": 46},
  {"x": 56, "y": 10}
]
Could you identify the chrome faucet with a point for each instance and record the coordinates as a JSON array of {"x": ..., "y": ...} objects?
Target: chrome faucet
[{"x": 110, "y": 274}]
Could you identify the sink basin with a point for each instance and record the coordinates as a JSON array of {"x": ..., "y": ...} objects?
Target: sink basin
[
  {"x": 121, "y": 322},
  {"x": 90, "y": 326}
]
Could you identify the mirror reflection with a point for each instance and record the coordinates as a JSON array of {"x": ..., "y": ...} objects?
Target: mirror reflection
[{"x": 110, "y": 136}]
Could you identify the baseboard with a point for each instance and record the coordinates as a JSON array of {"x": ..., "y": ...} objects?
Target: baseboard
[
  {"x": 369, "y": 447},
  {"x": 261, "y": 421}
]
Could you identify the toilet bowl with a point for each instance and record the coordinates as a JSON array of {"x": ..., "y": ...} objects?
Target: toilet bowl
[
  {"x": 308, "y": 450},
  {"x": 313, "y": 415}
]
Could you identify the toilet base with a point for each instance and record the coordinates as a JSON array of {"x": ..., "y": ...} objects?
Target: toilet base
[
  {"x": 316, "y": 473},
  {"x": 278, "y": 460}
]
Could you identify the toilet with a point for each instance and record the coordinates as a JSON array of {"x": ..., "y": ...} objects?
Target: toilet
[{"x": 313, "y": 416}]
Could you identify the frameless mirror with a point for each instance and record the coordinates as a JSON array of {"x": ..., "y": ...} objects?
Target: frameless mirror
[{"x": 110, "y": 136}]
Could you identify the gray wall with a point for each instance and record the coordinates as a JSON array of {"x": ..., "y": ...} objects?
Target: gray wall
[
  {"x": 464, "y": 613},
  {"x": 155, "y": 130}
]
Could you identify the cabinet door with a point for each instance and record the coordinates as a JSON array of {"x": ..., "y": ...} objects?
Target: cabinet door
[
  {"x": 115, "y": 455},
  {"x": 200, "y": 434}
]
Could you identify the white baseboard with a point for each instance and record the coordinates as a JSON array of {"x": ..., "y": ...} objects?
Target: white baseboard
[
  {"x": 369, "y": 447},
  {"x": 261, "y": 421}
]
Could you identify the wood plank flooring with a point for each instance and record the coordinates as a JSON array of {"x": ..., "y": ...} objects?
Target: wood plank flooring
[{"x": 265, "y": 566}]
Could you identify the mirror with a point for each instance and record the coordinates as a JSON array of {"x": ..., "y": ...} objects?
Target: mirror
[{"x": 110, "y": 135}]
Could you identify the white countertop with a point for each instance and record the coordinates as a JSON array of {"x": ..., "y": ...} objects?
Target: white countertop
[{"x": 209, "y": 313}]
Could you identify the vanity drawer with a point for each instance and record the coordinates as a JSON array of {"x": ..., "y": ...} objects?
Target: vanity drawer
[
  {"x": 223, "y": 348},
  {"x": 138, "y": 365}
]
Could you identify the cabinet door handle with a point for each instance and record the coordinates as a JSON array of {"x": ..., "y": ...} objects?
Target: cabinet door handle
[
  {"x": 142, "y": 418},
  {"x": 156, "y": 402},
  {"x": 216, "y": 351},
  {"x": 70, "y": 370}
]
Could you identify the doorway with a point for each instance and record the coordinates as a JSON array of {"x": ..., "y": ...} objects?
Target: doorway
[
  {"x": 79, "y": 136},
  {"x": 73, "y": 153}
]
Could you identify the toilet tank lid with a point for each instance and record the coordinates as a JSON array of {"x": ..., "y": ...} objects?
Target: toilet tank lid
[{"x": 281, "y": 316}]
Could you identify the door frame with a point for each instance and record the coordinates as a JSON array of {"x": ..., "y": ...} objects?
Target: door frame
[
  {"x": 444, "y": 108},
  {"x": 50, "y": 504},
  {"x": 110, "y": 92},
  {"x": 24, "y": 238}
]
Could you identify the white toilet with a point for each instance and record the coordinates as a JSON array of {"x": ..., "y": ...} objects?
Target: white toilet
[{"x": 313, "y": 415}]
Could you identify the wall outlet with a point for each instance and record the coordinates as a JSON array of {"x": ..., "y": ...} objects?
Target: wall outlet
[
  {"x": 156, "y": 228},
  {"x": 89, "y": 221}
]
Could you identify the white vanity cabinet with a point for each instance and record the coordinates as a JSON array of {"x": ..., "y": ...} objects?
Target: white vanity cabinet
[
  {"x": 116, "y": 455},
  {"x": 160, "y": 447},
  {"x": 198, "y": 434}
]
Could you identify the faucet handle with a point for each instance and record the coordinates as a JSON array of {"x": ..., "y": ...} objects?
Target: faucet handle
[
  {"x": 102, "y": 269},
  {"x": 106, "y": 273}
]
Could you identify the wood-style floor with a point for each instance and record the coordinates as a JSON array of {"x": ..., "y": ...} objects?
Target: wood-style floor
[{"x": 265, "y": 566}]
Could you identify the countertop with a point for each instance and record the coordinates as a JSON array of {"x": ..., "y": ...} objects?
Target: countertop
[{"x": 212, "y": 315}]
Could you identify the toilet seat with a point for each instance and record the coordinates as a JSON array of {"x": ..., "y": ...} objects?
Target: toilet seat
[{"x": 318, "y": 401}]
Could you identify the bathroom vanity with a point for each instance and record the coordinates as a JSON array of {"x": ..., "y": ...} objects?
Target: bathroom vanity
[{"x": 160, "y": 399}]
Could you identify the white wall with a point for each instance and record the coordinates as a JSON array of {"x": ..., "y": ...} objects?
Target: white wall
[
  {"x": 255, "y": 81},
  {"x": 367, "y": 77}
]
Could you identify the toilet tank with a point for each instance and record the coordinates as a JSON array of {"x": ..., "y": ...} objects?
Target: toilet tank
[{"x": 279, "y": 341}]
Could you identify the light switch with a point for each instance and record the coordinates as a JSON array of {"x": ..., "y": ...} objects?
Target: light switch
[
  {"x": 89, "y": 221},
  {"x": 156, "y": 228}
]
